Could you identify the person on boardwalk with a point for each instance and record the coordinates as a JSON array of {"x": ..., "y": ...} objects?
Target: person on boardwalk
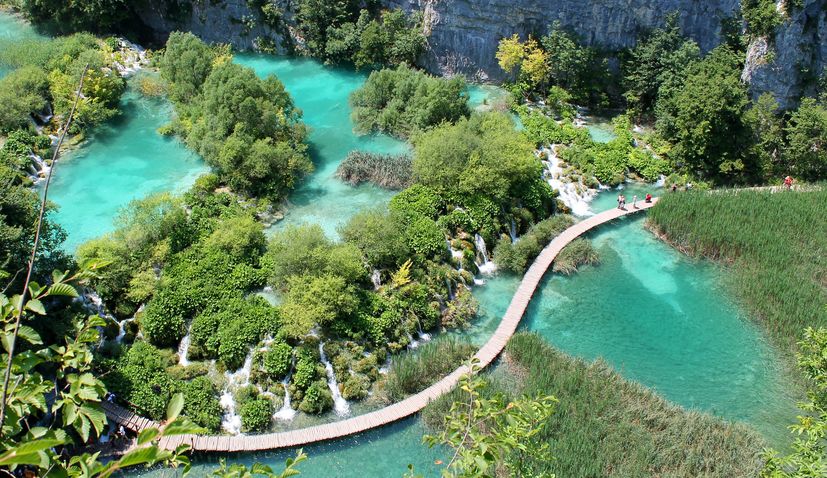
[
  {"x": 674, "y": 187},
  {"x": 648, "y": 197},
  {"x": 634, "y": 201},
  {"x": 620, "y": 201},
  {"x": 788, "y": 182}
]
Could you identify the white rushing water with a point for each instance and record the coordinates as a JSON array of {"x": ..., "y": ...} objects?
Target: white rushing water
[
  {"x": 486, "y": 266},
  {"x": 231, "y": 421},
  {"x": 576, "y": 196},
  {"x": 286, "y": 411},
  {"x": 376, "y": 278},
  {"x": 340, "y": 405},
  {"x": 183, "y": 349}
]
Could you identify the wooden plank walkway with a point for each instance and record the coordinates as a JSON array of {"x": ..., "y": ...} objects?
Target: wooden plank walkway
[
  {"x": 415, "y": 403},
  {"x": 131, "y": 421}
]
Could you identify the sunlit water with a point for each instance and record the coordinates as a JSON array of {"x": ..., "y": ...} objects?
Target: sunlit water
[
  {"x": 13, "y": 29},
  {"x": 123, "y": 160},
  {"x": 656, "y": 316}
]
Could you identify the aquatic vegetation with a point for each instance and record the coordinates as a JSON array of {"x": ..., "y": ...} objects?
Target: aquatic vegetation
[
  {"x": 518, "y": 256},
  {"x": 389, "y": 171},
  {"x": 414, "y": 372},
  {"x": 604, "y": 425},
  {"x": 776, "y": 256},
  {"x": 577, "y": 253}
]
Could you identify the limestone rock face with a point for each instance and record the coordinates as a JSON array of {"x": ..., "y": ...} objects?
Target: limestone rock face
[
  {"x": 214, "y": 21},
  {"x": 789, "y": 64},
  {"x": 465, "y": 33}
]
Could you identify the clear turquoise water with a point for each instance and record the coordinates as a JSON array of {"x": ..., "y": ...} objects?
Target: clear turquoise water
[
  {"x": 13, "y": 29},
  {"x": 382, "y": 453},
  {"x": 322, "y": 94},
  {"x": 123, "y": 160}
]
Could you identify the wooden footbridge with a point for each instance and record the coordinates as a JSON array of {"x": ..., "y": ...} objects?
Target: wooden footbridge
[{"x": 411, "y": 405}]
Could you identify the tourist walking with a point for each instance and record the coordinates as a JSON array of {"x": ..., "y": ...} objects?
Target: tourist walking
[
  {"x": 648, "y": 198},
  {"x": 788, "y": 182},
  {"x": 620, "y": 201},
  {"x": 634, "y": 201}
]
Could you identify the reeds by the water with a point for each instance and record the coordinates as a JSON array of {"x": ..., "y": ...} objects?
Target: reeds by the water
[
  {"x": 417, "y": 370},
  {"x": 776, "y": 244},
  {"x": 607, "y": 426},
  {"x": 389, "y": 171}
]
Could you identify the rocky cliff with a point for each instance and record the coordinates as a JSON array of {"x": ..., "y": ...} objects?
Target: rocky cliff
[
  {"x": 465, "y": 33},
  {"x": 790, "y": 63}
]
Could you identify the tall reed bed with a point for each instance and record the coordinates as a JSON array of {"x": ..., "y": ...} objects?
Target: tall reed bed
[
  {"x": 415, "y": 371},
  {"x": 607, "y": 426},
  {"x": 775, "y": 243},
  {"x": 389, "y": 171}
]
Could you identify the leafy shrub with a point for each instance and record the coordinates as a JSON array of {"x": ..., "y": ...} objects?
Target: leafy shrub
[
  {"x": 256, "y": 415},
  {"x": 517, "y": 256},
  {"x": 278, "y": 359},
  {"x": 578, "y": 252},
  {"x": 305, "y": 369},
  {"x": 317, "y": 398},
  {"x": 380, "y": 237},
  {"x": 416, "y": 200},
  {"x": 401, "y": 101},
  {"x": 201, "y": 403}
]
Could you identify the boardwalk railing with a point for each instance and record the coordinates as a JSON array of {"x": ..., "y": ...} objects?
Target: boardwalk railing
[{"x": 413, "y": 404}]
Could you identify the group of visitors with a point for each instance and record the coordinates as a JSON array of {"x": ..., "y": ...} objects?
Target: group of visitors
[{"x": 621, "y": 201}]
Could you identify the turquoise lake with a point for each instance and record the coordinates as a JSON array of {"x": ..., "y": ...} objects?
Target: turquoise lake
[{"x": 656, "y": 316}]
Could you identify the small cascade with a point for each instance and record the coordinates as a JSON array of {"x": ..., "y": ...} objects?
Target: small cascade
[
  {"x": 513, "y": 230},
  {"x": 376, "y": 278},
  {"x": 661, "y": 182},
  {"x": 183, "y": 349},
  {"x": 412, "y": 342},
  {"x": 478, "y": 281},
  {"x": 423, "y": 336},
  {"x": 286, "y": 411},
  {"x": 231, "y": 421},
  {"x": 485, "y": 265},
  {"x": 575, "y": 196},
  {"x": 340, "y": 405},
  {"x": 122, "y": 329},
  {"x": 386, "y": 367}
]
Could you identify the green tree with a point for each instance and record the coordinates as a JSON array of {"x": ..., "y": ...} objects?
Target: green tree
[
  {"x": 186, "y": 64},
  {"x": 661, "y": 57},
  {"x": 805, "y": 155},
  {"x": 379, "y": 236}
]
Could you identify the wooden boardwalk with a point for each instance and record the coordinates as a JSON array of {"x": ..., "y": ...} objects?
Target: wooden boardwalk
[
  {"x": 131, "y": 421},
  {"x": 413, "y": 404}
]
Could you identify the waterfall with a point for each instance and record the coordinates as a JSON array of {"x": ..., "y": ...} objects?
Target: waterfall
[
  {"x": 286, "y": 411},
  {"x": 231, "y": 421},
  {"x": 340, "y": 405},
  {"x": 423, "y": 336},
  {"x": 376, "y": 278},
  {"x": 513, "y": 231},
  {"x": 575, "y": 196},
  {"x": 486, "y": 266},
  {"x": 412, "y": 342},
  {"x": 122, "y": 329},
  {"x": 183, "y": 348},
  {"x": 661, "y": 181}
]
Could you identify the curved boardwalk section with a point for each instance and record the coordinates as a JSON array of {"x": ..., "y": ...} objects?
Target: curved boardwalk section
[{"x": 413, "y": 404}]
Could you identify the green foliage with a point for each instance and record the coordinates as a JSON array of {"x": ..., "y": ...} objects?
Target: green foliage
[
  {"x": 239, "y": 470},
  {"x": 658, "y": 61},
  {"x": 305, "y": 372},
  {"x": 316, "y": 17},
  {"x": 580, "y": 70},
  {"x": 256, "y": 415},
  {"x": 495, "y": 434},
  {"x": 391, "y": 39},
  {"x": 247, "y": 128},
  {"x": 379, "y": 235},
  {"x": 578, "y": 252},
  {"x": 704, "y": 119},
  {"x": 777, "y": 256},
  {"x": 761, "y": 16},
  {"x": 22, "y": 92},
  {"x": 389, "y": 171},
  {"x": 403, "y": 101},
  {"x": 425, "y": 237},
  {"x": 201, "y": 404},
  {"x": 99, "y": 15},
  {"x": 416, "y": 201},
  {"x": 278, "y": 359},
  {"x": 415, "y": 371},
  {"x": 140, "y": 377},
  {"x": 543, "y": 131},
  {"x": 808, "y": 457},
  {"x": 317, "y": 398},
  {"x": 517, "y": 256},
  {"x": 326, "y": 300},
  {"x": 805, "y": 155}
]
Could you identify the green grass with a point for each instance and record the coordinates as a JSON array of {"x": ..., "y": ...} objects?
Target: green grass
[
  {"x": 607, "y": 426},
  {"x": 389, "y": 171},
  {"x": 774, "y": 243},
  {"x": 415, "y": 371}
]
